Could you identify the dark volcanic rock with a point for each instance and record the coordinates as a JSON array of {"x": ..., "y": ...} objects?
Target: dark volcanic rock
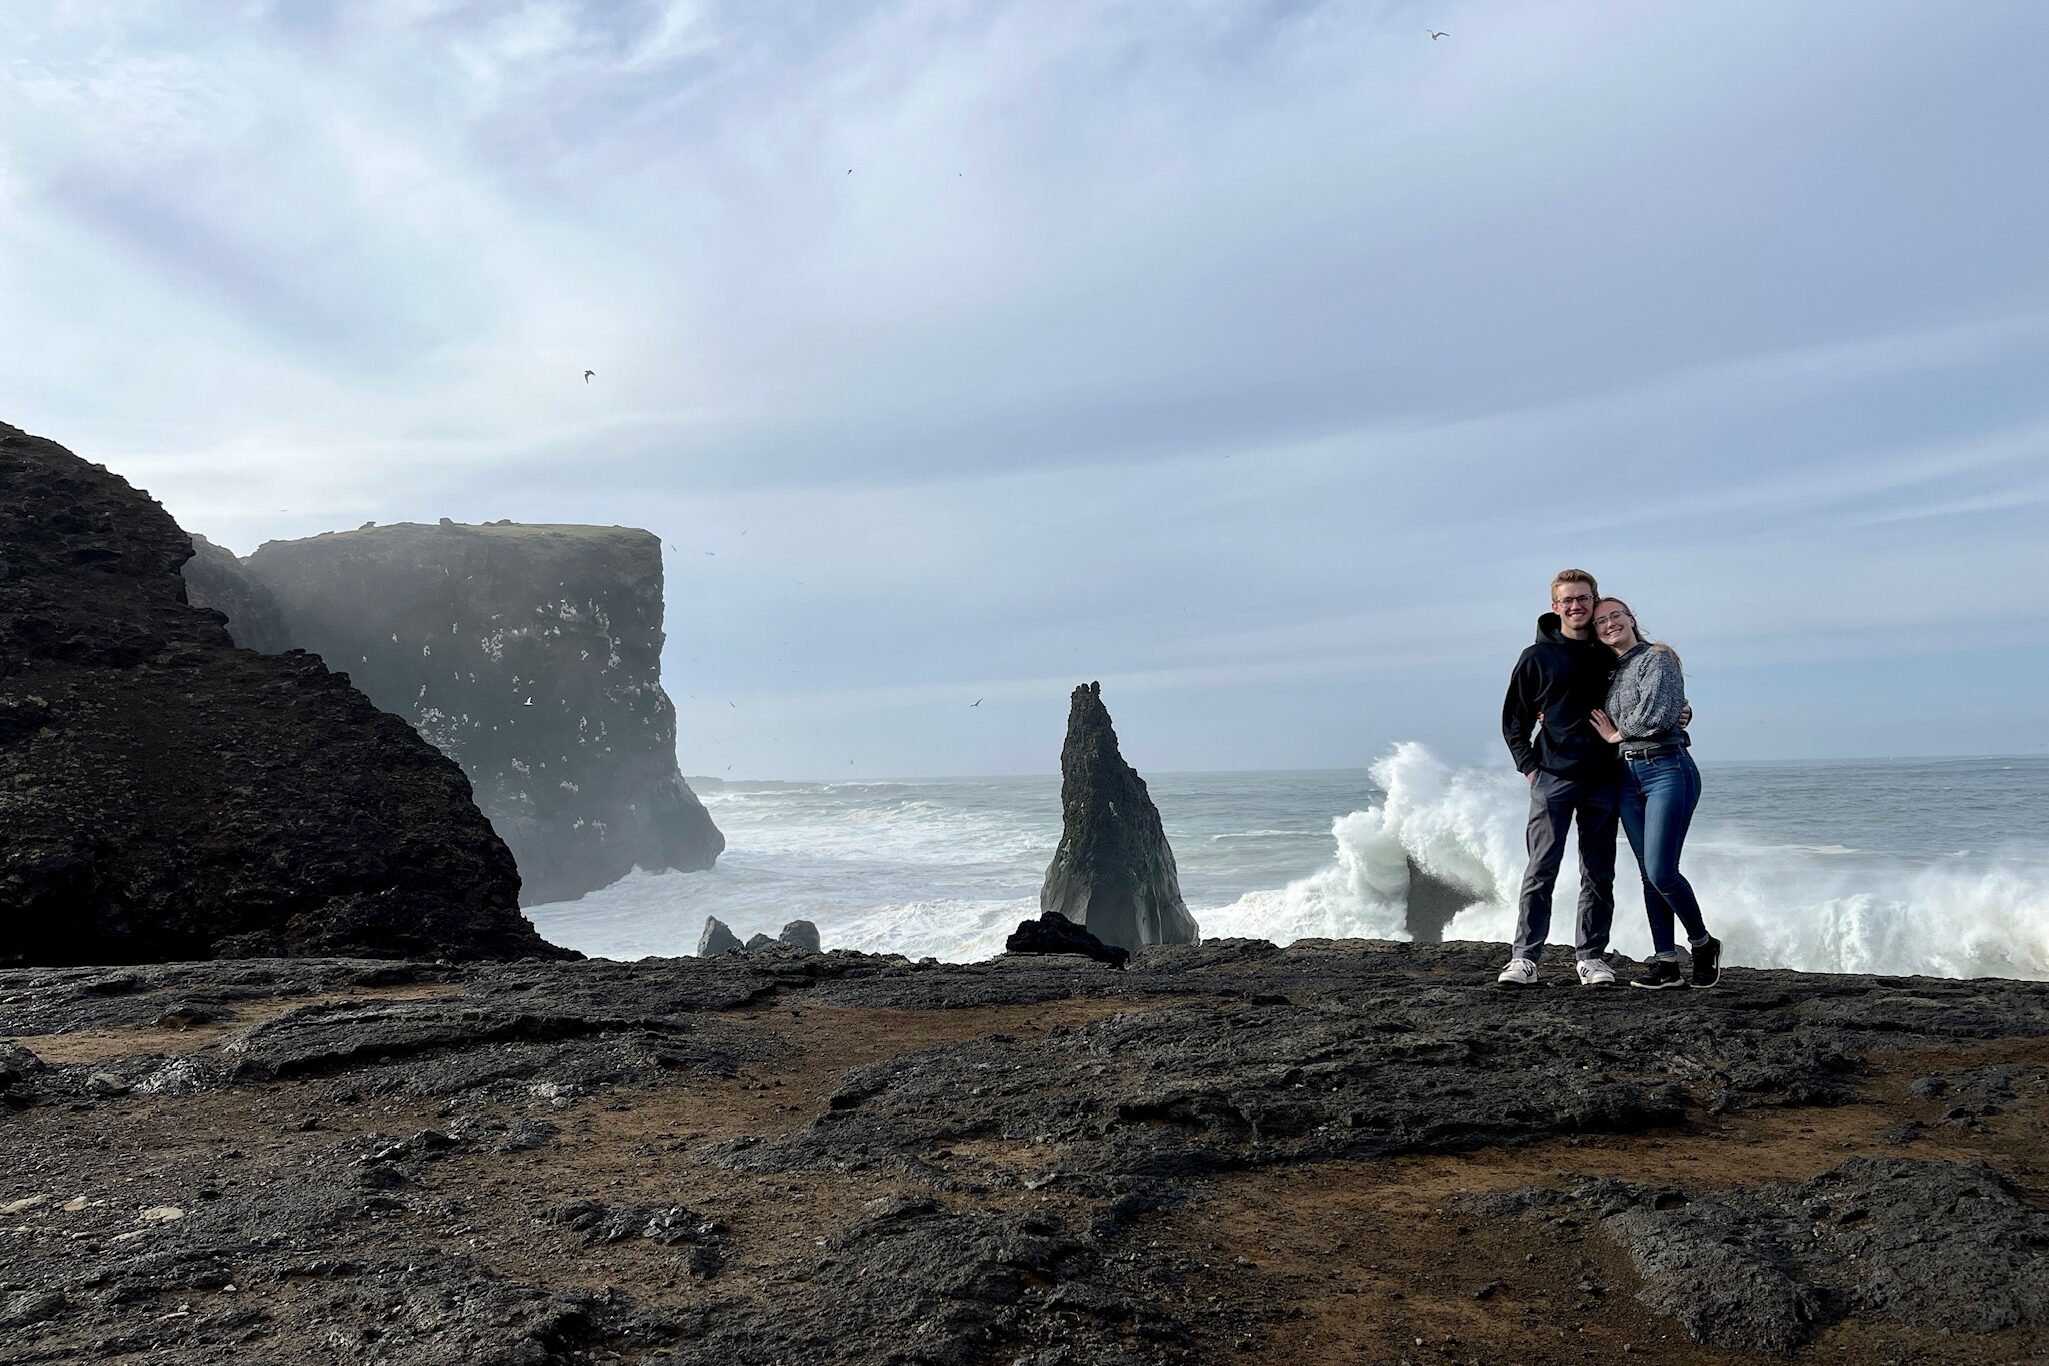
[
  {"x": 165, "y": 795},
  {"x": 728, "y": 1150},
  {"x": 20, "y": 1071},
  {"x": 716, "y": 938},
  {"x": 531, "y": 655},
  {"x": 597, "y": 1224},
  {"x": 800, "y": 934},
  {"x": 1053, "y": 932},
  {"x": 1433, "y": 901},
  {"x": 1113, "y": 872},
  {"x": 215, "y": 578},
  {"x": 1940, "y": 1244}
]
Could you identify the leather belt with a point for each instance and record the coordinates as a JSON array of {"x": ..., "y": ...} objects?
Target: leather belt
[{"x": 1651, "y": 753}]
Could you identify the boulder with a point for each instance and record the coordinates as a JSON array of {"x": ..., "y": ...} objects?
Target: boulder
[
  {"x": 801, "y": 934},
  {"x": 165, "y": 795},
  {"x": 759, "y": 941},
  {"x": 716, "y": 938},
  {"x": 1433, "y": 901},
  {"x": 1053, "y": 932},
  {"x": 1113, "y": 872},
  {"x": 530, "y": 655}
]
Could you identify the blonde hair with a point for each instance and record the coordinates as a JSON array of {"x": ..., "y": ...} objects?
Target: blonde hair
[
  {"x": 1631, "y": 613},
  {"x": 1574, "y": 576}
]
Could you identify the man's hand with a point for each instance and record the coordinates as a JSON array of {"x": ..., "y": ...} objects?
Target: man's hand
[{"x": 1686, "y": 716}]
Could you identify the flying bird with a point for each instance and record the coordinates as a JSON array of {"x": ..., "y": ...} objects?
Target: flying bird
[
  {"x": 976, "y": 703},
  {"x": 1435, "y": 35},
  {"x": 587, "y": 376}
]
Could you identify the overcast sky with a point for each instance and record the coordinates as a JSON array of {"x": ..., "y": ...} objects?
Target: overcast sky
[{"x": 1262, "y": 360}]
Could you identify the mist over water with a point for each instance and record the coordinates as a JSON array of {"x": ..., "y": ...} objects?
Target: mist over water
[{"x": 1914, "y": 866}]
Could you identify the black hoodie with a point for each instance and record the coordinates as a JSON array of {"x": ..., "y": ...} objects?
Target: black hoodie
[{"x": 1563, "y": 680}]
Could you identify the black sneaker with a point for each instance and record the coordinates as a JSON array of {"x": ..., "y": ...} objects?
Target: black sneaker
[
  {"x": 1662, "y": 973},
  {"x": 1707, "y": 963}
]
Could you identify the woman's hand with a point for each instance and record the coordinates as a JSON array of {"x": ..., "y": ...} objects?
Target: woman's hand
[{"x": 1605, "y": 727}]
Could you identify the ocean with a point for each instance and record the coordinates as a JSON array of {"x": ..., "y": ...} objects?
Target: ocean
[{"x": 1930, "y": 866}]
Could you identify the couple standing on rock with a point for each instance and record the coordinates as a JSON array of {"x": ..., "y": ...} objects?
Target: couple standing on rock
[{"x": 1608, "y": 713}]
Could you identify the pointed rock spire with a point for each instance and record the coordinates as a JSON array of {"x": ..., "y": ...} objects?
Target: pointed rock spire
[{"x": 1114, "y": 872}]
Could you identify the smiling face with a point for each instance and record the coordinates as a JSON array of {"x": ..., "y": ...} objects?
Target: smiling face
[
  {"x": 1614, "y": 624},
  {"x": 1573, "y": 601}
]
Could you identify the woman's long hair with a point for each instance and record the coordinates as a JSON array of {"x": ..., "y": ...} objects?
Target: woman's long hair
[{"x": 1655, "y": 645}]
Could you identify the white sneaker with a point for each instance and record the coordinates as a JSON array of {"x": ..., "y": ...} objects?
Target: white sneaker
[
  {"x": 1595, "y": 972},
  {"x": 1520, "y": 972}
]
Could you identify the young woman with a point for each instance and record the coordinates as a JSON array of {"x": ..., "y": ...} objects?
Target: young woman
[{"x": 1660, "y": 788}]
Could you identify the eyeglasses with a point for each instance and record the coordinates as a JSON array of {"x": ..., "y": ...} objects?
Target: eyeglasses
[
  {"x": 1572, "y": 599},
  {"x": 1613, "y": 619}
]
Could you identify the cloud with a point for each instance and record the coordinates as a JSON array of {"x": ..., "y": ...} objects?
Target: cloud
[{"x": 1235, "y": 347}]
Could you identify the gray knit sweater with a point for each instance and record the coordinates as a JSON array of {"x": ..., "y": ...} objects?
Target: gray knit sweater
[{"x": 1646, "y": 696}]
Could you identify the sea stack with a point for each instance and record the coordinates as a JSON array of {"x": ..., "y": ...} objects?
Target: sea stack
[
  {"x": 1114, "y": 872},
  {"x": 1433, "y": 901},
  {"x": 167, "y": 796},
  {"x": 530, "y": 655}
]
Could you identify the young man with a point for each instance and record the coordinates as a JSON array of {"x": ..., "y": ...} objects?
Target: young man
[{"x": 1573, "y": 775}]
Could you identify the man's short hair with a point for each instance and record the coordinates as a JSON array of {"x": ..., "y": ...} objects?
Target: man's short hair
[{"x": 1574, "y": 576}]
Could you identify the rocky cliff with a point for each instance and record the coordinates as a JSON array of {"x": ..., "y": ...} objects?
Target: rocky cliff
[
  {"x": 531, "y": 655},
  {"x": 215, "y": 578},
  {"x": 1113, "y": 872},
  {"x": 165, "y": 795}
]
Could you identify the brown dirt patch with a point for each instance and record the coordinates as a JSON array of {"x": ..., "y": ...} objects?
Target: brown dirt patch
[
  {"x": 1374, "y": 1262},
  {"x": 620, "y": 1147}
]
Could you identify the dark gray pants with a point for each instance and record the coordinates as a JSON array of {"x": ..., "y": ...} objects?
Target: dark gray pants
[{"x": 1555, "y": 802}]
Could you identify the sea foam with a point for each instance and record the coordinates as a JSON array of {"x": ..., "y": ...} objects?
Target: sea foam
[
  {"x": 1812, "y": 908},
  {"x": 1811, "y": 876}
]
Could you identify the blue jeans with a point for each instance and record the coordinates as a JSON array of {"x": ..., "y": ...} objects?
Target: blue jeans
[{"x": 1658, "y": 797}]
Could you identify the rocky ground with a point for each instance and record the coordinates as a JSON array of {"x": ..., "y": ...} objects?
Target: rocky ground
[{"x": 1336, "y": 1152}]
